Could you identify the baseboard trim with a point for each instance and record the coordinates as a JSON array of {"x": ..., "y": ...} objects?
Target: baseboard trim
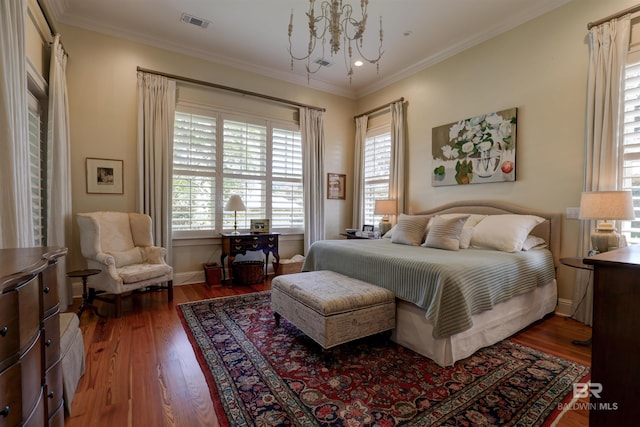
[{"x": 564, "y": 307}]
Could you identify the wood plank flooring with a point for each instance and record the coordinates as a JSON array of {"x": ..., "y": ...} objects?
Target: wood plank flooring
[{"x": 141, "y": 369}]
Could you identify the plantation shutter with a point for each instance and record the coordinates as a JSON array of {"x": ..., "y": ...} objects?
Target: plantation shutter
[
  {"x": 377, "y": 158},
  {"x": 194, "y": 172},
  {"x": 287, "y": 204},
  {"x": 244, "y": 169}
]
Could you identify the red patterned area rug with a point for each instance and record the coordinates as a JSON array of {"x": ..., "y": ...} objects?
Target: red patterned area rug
[{"x": 266, "y": 376}]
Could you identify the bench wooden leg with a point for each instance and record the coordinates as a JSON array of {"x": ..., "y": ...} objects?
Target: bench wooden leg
[{"x": 277, "y": 317}]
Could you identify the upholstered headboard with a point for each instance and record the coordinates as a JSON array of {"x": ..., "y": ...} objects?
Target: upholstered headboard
[{"x": 550, "y": 230}]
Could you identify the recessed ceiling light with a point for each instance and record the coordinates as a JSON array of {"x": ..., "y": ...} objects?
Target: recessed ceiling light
[{"x": 358, "y": 63}]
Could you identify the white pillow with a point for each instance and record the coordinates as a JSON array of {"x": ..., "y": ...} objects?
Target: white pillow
[
  {"x": 444, "y": 233},
  {"x": 467, "y": 230},
  {"x": 533, "y": 242},
  {"x": 389, "y": 233},
  {"x": 505, "y": 233},
  {"x": 410, "y": 229}
]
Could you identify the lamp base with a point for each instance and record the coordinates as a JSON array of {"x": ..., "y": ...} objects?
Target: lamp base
[
  {"x": 384, "y": 226},
  {"x": 234, "y": 232},
  {"x": 607, "y": 240}
]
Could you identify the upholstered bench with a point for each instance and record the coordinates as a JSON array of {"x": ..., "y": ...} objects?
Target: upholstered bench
[
  {"x": 72, "y": 353},
  {"x": 331, "y": 308}
]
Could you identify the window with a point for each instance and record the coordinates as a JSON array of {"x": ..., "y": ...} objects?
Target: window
[
  {"x": 218, "y": 154},
  {"x": 376, "y": 170},
  {"x": 631, "y": 140},
  {"x": 37, "y": 163}
]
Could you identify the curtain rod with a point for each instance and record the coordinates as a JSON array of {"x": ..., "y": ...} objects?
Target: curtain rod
[
  {"x": 632, "y": 9},
  {"x": 382, "y": 107},
  {"x": 228, "y": 88}
]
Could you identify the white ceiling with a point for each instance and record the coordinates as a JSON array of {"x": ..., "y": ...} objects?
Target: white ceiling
[{"x": 252, "y": 34}]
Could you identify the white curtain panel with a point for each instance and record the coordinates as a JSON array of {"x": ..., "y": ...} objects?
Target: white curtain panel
[
  {"x": 398, "y": 143},
  {"x": 16, "y": 222},
  {"x": 608, "y": 44},
  {"x": 358, "y": 173},
  {"x": 156, "y": 111},
  {"x": 312, "y": 130},
  {"x": 59, "y": 218}
]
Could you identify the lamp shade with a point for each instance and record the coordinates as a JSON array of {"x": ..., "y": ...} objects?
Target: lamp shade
[
  {"x": 606, "y": 205},
  {"x": 235, "y": 203},
  {"x": 384, "y": 207}
]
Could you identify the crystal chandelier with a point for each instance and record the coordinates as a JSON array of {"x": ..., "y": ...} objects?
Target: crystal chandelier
[{"x": 336, "y": 24}]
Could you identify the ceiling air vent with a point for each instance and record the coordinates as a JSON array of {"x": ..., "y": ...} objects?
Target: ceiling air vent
[
  {"x": 323, "y": 62},
  {"x": 202, "y": 23}
]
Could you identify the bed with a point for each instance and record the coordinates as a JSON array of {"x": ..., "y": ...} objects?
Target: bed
[{"x": 451, "y": 302}]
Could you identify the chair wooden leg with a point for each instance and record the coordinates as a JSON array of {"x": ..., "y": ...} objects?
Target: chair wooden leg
[{"x": 170, "y": 290}]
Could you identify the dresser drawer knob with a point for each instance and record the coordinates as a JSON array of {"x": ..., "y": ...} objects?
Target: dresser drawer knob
[
  {"x": 48, "y": 343},
  {"x": 47, "y": 290},
  {"x": 50, "y": 395},
  {"x": 5, "y": 411},
  {"x": 4, "y": 331}
]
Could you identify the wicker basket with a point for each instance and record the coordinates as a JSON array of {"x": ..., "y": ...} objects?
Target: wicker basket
[
  {"x": 288, "y": 268},
  {"x": 212, "y": 273},
  {"x": 247, "y": 272}
]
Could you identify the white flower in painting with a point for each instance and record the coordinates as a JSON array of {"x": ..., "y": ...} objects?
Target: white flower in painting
[
  {"x": 467, "y": 147},
  {"x": 449, "y": 152},
  {"x": 475, "y": 121},
  {"x": 484, "y": 146},
  {"x": 455, "y": 130},
  {"x": 494, "y": 120},
  {"x": 504, "y": 130}
]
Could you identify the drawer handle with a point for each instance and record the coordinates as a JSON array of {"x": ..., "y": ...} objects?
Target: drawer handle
[
  {"x": 5, "y": 411},
  {"x": 48, "y": 343},
  {"x": 50, "y": 395},
  {"x": 47, "y": 290},
  {"x": 4, "y": 331}
]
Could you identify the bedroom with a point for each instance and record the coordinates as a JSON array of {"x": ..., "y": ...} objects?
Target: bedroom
[{"x": 539, "y": 67}]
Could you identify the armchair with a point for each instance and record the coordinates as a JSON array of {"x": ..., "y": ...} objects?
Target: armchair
[{"x": 121, "y": 245}]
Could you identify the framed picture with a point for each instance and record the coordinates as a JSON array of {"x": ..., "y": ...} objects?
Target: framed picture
[
  {"x": 368, "y": 228},
  {"x": 260, "y": 226},
  {"x": 104, "y": 176},
  {"x": 336, "y": 183},
  {"x": 477, "y": 150}
]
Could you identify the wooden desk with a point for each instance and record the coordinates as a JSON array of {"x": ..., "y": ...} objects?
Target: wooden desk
[
  {"x": 616, "y": 340},
  {"x": 234, "y": 244}
]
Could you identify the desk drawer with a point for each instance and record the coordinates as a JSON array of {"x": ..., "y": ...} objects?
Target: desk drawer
[{"x": 11, "y": 397}]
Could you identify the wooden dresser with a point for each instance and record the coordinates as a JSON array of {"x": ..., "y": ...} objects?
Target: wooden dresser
[
  {"x": 235, "y": 244},
  {"x": 30, "y": 374},
  {"x": 615, "y": 357}
]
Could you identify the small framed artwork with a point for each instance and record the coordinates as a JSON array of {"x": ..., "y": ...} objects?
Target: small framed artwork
[
  {"x": 260, "y": 226},
  {"x": 368, "y": 228},
  {"x": 336, "y": 184},
  {"x": 104, "y": 176}
]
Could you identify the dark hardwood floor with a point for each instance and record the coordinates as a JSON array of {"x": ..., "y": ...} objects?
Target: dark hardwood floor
[{"x": 141, "y": 369}]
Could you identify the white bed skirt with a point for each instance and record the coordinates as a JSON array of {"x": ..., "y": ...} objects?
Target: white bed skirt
[{"x": 414, "y": 331}]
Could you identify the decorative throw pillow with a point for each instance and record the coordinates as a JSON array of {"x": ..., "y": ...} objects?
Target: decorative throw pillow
[
  {"x": 444, "y": 233},
  {"x": 410, "y": 229},
  {"x": 389, "y": 233},
  {"x": 533, "y": 242},
  {"x": 467, "y": 230},
  {"x": 505, "y": 233},
  {"x": 128, "y": 257}
]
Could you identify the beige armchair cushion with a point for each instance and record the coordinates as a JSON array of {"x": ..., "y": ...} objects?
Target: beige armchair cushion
[{"x": 139, "y": 272}]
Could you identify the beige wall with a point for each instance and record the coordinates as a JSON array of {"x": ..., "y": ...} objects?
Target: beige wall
[
  {"x": 101, "y": 76},
  {"x": 539, "y": 67}
]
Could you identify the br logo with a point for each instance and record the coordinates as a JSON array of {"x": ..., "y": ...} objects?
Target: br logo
[{"x": 583, "y": 390}]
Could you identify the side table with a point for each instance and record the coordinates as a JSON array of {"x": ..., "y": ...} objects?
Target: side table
[
  {"x": 86, "y": 301},
  {"x": 235, "y": 244},
  {"x": 576, "y": 262}
]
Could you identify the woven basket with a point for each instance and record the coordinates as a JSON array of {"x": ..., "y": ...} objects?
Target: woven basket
[{"x": 247, "y": 272}]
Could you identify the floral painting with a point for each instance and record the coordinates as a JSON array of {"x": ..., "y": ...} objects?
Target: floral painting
[{"x": 477, "y": 150}]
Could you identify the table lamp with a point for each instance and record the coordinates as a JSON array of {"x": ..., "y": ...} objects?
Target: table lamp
[
  {"x": 235, "y": 204},
  {"x": 385, "y": 208},
  {"x": 606, "y": 205}
]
